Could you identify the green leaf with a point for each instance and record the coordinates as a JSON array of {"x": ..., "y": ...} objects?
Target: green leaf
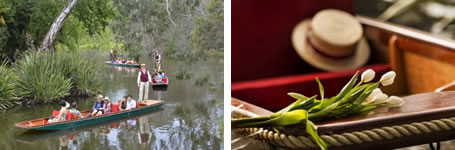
[
  {"x": 347, "y": 88},
  {"x": 301, "y": 101},
  {"x": 297, "y": 95},
  {"x": 311, "y": 129},
  {"x": 321, "y": 89}
]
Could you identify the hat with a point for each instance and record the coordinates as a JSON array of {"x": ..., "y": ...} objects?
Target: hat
[
  {"x": 142, "y": 65},
  {"x": 106, "y": 98},
  {"x": 332, "y": 41},
  {"x": 100, "y": 96}
]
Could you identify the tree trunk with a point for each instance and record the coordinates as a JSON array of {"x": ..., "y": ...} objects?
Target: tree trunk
[
  {"x": 169, "y": 13},
  {"x": 48, "y": 41}
]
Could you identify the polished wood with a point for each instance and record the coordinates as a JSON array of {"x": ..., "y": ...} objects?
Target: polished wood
[
  {"x": 397, "y": 65},
  {"x": 426, "y": 61},
  {"x": 418, "y": 108},
  {"x": 250, "y": 107}
]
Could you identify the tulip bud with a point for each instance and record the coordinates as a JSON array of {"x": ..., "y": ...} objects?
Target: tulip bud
[
  {"x": 380, "y": 98},
  {"x": 367, "y": 75},
  {"x": 375, "y": 92},
  {"x": 387, "y": 79},
  {"x": 395, "y": 101}
]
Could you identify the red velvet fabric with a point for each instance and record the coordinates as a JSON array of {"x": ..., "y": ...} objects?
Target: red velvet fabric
[
  {"x": 261, "y": 36},
  {"x": 271, "y": 93}
]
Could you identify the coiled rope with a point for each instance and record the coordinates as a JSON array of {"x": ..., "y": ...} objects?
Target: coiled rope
[{"x": 357, "y": 137}]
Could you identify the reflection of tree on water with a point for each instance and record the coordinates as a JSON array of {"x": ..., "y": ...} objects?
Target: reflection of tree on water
[{"x": 202, "y": 75}]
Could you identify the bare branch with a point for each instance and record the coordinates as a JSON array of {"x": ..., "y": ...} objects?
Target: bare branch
[{"x": 48, "y": 41}]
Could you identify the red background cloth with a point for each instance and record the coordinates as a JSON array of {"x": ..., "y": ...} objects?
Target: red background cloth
[
  {"x": 261, "y": 36},
  {"x": 265, "y": 66}
]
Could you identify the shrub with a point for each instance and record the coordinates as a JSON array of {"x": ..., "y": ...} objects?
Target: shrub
[
  {"x": 41, "y": 78},
  {"x": 8, "y": 94}
]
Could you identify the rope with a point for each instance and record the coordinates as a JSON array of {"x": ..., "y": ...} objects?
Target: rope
[{"x": 357, "y": 137}]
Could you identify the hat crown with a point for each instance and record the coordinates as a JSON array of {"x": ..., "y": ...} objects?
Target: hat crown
[{"x": 336, "y": 27}]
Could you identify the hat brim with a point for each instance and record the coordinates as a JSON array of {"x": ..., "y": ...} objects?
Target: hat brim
[{"x": 307, "y": 53}]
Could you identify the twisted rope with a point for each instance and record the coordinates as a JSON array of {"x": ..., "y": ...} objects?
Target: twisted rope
[{"x": 357, "y": 137}]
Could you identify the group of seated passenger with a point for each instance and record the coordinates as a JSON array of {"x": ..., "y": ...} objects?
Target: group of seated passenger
[
  {"x": 159, "y": 76},
  {"x": 100, "y": 107},
  {"x": 126, "y": 103},
  {"x": 63, "y": 113},
  {"x": 124, "y": 61}
]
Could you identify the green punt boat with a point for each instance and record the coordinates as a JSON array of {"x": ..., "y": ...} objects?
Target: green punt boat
[
  {"x": 42, "y": 123},
  {"x": 122, "y": 65}
]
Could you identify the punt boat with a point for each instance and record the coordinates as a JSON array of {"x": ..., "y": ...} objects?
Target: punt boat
[
  {"x": 122, "y": 65},
  {"x": 42, "y": 123}
]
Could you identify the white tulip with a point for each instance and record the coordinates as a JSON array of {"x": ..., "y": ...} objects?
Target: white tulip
[
  {"x": 395, "y": 101},
  {"x": 380, "y": 98},
  {"x": 367, "y": 75},
  {"x": 387, "y": 79},
  {"x": 375, "y": 92}
]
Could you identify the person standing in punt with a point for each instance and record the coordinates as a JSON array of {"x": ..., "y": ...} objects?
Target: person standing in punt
[
  {"x": 143, "y": 80},
  {"x": 157, "y": 61}
]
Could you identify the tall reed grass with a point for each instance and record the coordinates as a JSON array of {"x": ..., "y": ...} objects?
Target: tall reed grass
[
  {"x": 46, "y": 77},
  {"x": 8, "y": 94}
]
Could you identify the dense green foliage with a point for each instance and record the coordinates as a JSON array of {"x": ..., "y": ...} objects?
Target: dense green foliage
[
  {"x": 45, "y": 77},
  {"x": 208, "y": 31},
  {"x": 40, "y": 78},
  {"x": 8, "y": 94},
  {"x": 135, "y": 27},
  {"x": 146, "y": 26},
  {"x": 28, "y": 21}
]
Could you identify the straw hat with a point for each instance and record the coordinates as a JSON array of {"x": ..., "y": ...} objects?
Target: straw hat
[
  {"x": 332, "y": 41},
  {"x": 107, "y": 98}
]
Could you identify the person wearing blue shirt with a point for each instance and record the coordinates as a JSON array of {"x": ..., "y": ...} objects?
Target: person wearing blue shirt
[{"x": 97, "y": 108}]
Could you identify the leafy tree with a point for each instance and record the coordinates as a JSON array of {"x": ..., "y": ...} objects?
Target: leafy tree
[
  {"x": 209, "y": 31},
  {"x": 35, "y": 17}
]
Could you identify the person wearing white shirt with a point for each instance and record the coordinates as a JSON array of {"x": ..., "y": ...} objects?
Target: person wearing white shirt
[
  {"x": 143, "y": 80},
  {"x": 130, "y": 103}
]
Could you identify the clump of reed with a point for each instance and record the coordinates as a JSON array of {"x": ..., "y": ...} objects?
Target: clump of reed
[
  {"x": 44, "y": 77},
  {"x": 8, "y": 94}
]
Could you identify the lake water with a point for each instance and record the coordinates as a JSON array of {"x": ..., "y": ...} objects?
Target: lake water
[{"x": 189, "y": 119}]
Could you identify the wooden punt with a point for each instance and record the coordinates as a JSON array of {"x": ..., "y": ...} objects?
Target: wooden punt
[
  {"x": 154, "y": 83},
  {"x": 42, "y": 123},
  {"x": 121, "y": 65}
]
